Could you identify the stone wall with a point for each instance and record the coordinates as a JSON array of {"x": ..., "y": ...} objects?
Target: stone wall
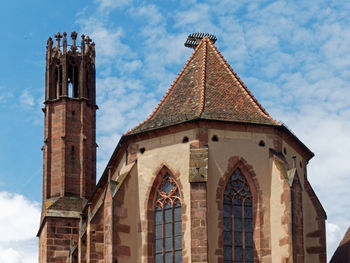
[
  {"x": 279, "y": 208},
  {"x": 57, "y": 236}
]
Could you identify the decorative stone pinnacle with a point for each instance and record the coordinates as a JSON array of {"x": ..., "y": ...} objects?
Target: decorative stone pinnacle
[
  {"x": 74, "y": 37},
  {"x": 83, "y": 43},
  {"x": 58, "y": 37},
  {"x": 49, "y": 42},
  {"x": 64, "y": 42},
  {"x": 88, "y": 40}
]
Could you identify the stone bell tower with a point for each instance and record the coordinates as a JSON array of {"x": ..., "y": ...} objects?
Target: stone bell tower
[{"x": 69, "y": 172}]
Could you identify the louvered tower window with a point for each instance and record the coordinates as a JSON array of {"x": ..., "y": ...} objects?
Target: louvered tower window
[
  {"x": 168, "y": 222},
  {"x": 238, "y": 220}
]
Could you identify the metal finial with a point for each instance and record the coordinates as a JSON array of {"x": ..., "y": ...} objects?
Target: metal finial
[{"x": 194, "y": 39}]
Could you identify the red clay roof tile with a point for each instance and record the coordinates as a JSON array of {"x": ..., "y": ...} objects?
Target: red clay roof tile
[{"x": 206, "y": 88}]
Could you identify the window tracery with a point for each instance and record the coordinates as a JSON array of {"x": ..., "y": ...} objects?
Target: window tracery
[
  {"x": 168, "y": 222},
  {"x": 238, "y": 220}
]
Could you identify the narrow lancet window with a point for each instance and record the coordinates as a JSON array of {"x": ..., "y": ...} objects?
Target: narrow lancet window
[
  {"x": 238, "y": 221},
  {"x": 168, "y": 222}
]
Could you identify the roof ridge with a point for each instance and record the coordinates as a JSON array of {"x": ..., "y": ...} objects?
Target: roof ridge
[
  {"x": 245, "y": 88},
  {"x": 169, "y": 90},
  {"x": 204, "y": 60}
]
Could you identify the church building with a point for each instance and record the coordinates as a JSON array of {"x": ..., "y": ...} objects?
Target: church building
[{"x": 209, "y": 176}]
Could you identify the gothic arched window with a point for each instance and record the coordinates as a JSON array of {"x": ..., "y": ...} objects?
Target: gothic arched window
[
  {"x": 168, "y": 222},
  {"x": 238, "y": 220}
]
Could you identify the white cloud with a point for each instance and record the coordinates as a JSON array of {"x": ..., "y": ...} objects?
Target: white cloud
[
  {"x": 123, "y": 104},
  {"x": 109, "y": 48},
  {"x": 19, "y": 252},
  {"x": 5, "y": 94},
  {"x": 19, "y": 223},
  {"x": 10, "y": 255},
  {"x": 107, "y": 5},
  {"x": 27, "y": 99},
  {"x": 334, "y": 235},
  {"x": 132, "y": 65},
  {"x": 13, "y": 225},
  {"x": 194, "y": 16},
  {"x": 161, "y": 48}
]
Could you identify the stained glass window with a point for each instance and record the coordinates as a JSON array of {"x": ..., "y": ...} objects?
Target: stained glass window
[
  {"x": 238, "y": 221},
  {"x": 168, "y": 223}
]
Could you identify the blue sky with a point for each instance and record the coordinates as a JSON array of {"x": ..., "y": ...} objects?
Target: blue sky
[{"x": 293, "y": 56}]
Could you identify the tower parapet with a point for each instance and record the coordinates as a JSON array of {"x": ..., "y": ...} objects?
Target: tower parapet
[{"x": 70, "y": 72}]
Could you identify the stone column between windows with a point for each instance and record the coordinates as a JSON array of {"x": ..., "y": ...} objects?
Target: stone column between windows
[{"x": 198, "y": 176}]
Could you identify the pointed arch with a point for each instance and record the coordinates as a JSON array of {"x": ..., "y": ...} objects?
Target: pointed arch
[
  {"x": 297, "y": 217},
  {"x": 165, "y": 218},
  {"x": 239, "y": 200},
  {"x": 238, "y": 219}
]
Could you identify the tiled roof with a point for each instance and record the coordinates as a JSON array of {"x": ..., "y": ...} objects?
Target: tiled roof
[
  {"x": 342, "y": 254},
  {"x": 206, "y": 88}
]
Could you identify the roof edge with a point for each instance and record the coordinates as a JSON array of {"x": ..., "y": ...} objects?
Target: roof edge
[
  {"x": 204, "y": 74},
  {"x": 168, "y": 92},
  {"x": 104, "y": 176},
  {"x": 228, "y": 66},
  {"x": 289, "y": 132},
  {"x": 314, "y": 199},
  {"x": 278, "y": 126}
]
